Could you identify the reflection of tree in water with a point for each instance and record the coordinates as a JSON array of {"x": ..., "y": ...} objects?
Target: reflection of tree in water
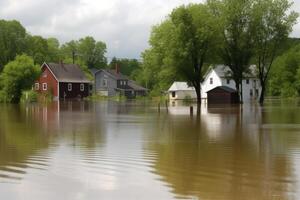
[
  {"x": 223, "y": 160},
  {"x": 19, "y": 140}
]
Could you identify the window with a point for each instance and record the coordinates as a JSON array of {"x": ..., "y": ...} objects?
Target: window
[
  {"x": 247, "y": 81},
  {"x": 228, "y": 81},
  {"x": 69, "y": 86},
  {"x": 37, "y": 86},
  {"x": 251, "y": 92},
  {"x": 124, "y": 82},
  {"x": 81, "y": 87},
  {"x": 121, "y": 82},
  {"x": 211, "y": 80},
  {"x": 44, "y": 86},
  {"x": 104, "y": 83},
  {"x": 173, "y": 94}
]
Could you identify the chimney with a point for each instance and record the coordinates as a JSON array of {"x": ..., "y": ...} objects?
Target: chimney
[{"x": 117, "y": 68}]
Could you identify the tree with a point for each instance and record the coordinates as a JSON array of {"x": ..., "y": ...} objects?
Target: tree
[
  {"x": 92, "y": 52},
  {"x": 53, "y": 50},
  {"x": 236, "y": 27},
  {"x": 12, "y": 41},
  {"x": 88, "y": 50},
  {"x": 37, "y": 48},
  {"x": 18, "y": 75},
  {"x": 185, "y": 39},
  {"x": 127, "y": 66},
  {"x": 273, "y": 25}
]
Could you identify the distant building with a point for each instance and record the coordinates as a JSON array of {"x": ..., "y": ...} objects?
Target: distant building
[
  {"x": 62, "y": 81},
  {"x": 222, "y": 95},
  {"x": 215, "y": 77},
  {"x": 181, "y": 90},
  {"x": 220, "y": 75},
  {"x": 110, "y": 82}
]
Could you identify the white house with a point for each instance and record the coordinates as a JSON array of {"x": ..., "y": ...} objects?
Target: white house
[
  {"x": 181, "y": 90},
  {"x": 218, "y": 76}
]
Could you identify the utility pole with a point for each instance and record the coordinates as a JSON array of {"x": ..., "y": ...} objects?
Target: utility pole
[{"x": 73, "y": 56}]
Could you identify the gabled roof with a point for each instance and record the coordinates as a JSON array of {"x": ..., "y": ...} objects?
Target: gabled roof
[
  {"x": 180, "y": 86},
  {"x": 114, "y": 74},
  {"x": 225, "y": 88},
  {"x": 224, "y": 71},
  {"x": 135, "y": 86},
  {"x": 67, "y": 72}
]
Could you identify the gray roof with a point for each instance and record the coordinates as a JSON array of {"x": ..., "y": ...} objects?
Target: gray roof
[
  {"x": 180, "y": 86},
  {"x": 227, "y": 89},
  {"x": 116, "y": 75},
  {"x": 135, "y": 86},
  {"x": 225, "y": 71},
  {"x": 67, "y": 72}
]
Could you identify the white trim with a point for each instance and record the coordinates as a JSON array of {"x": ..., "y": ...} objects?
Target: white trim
[
  {"x": 81, "y": 87},
  {"x": 37, "y": 86},
  {"x": 70, "y": 87},
  {"x": 50, "y": 70},
  {"x": 44, "y": 86}
]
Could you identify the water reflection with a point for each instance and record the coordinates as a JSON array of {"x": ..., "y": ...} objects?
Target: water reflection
[
  {"x": 225, "y": 154},
  {"x": 126, "y": 150}
]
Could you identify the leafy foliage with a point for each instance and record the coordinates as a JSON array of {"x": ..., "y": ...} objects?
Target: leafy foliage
[{"x": 18, "y": 75}]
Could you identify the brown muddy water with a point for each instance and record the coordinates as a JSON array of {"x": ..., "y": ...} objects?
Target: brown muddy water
[{"x": 109, "y": 150}]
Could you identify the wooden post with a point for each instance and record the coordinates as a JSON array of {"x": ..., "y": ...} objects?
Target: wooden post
[
  {"x": 167, "y": 106},
  {"x": 158, "y": 107},
  {"x": 191, "y": 111}
]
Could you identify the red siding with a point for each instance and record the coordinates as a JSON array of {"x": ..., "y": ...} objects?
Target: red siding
[{"x": 47, "y": 77}]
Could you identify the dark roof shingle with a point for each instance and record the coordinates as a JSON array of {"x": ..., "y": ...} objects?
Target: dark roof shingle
[{"x": 67, "y": 72}]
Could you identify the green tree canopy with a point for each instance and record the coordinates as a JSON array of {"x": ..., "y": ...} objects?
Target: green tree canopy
[
  {"x": 12, "y": 41},
  {"x": 18, "y": 75}
]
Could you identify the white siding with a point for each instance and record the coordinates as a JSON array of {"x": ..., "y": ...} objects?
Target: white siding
[
  {"x": 218, "y": 81},
  {"x": 206, "y": 85},
  {"x": 180, "y": 95}
]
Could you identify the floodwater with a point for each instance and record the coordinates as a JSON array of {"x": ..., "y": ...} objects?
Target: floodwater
[{"x": 110, "y": 150}]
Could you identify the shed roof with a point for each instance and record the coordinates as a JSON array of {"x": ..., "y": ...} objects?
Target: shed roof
[
  {"x": 135, "y": 86},
  {"x": 225, "y": 88},
  {"x": 67, "y": 72},
  {"x": 180, "y": 86}
]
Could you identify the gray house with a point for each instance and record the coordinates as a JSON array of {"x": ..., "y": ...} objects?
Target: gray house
[{"x": 111, "y": 82}]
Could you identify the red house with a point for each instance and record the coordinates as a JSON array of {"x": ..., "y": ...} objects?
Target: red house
[{"x": 63, "y": 81}]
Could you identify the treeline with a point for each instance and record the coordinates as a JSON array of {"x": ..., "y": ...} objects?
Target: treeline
[
  {"x": 21, "y": 55},
  {"x": 231, "y": 32}
]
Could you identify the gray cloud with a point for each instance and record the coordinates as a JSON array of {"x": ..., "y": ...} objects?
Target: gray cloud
[{"x": 123, "y": 24}]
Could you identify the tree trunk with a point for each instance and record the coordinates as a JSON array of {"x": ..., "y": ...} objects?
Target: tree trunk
[
  {"x": 237, "y": 87},
  {"x": 198, "y": 92},
  {"x": 262, "y": 94}
]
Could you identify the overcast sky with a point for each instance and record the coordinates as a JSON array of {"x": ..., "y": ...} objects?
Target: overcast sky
[{"x": 124, "y": 25}]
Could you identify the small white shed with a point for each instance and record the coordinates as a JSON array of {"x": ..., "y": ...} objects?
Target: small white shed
[{"x": 181, "y": 90}]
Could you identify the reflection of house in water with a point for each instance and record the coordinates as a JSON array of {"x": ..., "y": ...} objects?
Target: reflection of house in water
[{"x": 221, "y": 155}]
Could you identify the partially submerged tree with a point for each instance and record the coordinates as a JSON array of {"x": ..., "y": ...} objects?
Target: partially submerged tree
[
  {"x": 236, "y": 28},
  {"x": 18, "y": 75},
  {"x": 182, "y": 42},
  {"x": 273, "y": 23}
]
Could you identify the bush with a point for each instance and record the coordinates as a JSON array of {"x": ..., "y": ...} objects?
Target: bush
[
  {"x": 17, "y": 76},
  {"x": 29, "y": 96}
]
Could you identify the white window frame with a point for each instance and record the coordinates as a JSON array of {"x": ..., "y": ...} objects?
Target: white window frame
[
  {"x": 81, "y": 87},
  {"x": 45, "y": 86},
  {"x": 37, "y": 86},
  {"x": 104, "y": 83},
  {"x": 69, "y": 87}
]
